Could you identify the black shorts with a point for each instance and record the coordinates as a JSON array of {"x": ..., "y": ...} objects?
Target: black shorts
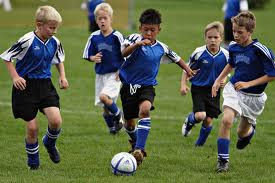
[
  {"x": 38, "y": 94},
  {"x": 228, "y": 32},
  {"x": 130, "y": 102},
  {"x": 203, "y": 101}
]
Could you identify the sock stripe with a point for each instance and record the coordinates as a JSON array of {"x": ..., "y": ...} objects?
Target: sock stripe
[{"x": 32, "y": 150}]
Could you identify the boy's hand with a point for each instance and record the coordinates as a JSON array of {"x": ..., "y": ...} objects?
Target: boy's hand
[
  {"x": 63, "y": 83},
  {"x": 19, "y": 83},
  {"x": 215, "y": 88},
  {"x": 184, "y": 90},
  {"x": 191, "y": 73},
  {"x": 241, "y": 85},
  {"x": 96, "y": 58},
  {"x": 144, "y": 42}
]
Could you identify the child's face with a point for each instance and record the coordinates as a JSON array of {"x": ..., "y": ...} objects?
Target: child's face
[
  {"x": 241, "y": 35},
  {"x": 46, "y": 30},
  {"x": 150, "y": 31},
  {"x": 213, "y": 39},
  {"x": 103, "y": 20}
]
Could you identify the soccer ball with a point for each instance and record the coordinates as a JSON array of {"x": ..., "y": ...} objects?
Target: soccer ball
[{"x": 123, "y": 164}]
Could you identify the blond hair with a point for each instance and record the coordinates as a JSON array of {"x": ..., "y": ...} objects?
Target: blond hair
[
  {"x": 104, "y": 7},
  {"x": 214, "y": 25},
  {"x": 45, "y": 14},
  {"x": 245, "y": 19}
]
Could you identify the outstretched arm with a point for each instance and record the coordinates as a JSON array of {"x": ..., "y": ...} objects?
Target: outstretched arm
[
  {"x": 63, "y": 83},
  {"x": 219, "y": 80},
  {"x": 242, "y": 85},
  {"x": 190, "y": 73}
]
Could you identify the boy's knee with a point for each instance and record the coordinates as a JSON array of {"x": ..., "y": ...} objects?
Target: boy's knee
[
  {"x": 200, "y": 116},
  {"x": 55, "y": 123},
  {"x": 104, "y": 98},
  {"x": 226, "y": 123}
]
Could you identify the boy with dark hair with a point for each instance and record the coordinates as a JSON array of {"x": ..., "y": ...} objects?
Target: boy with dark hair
[
  {"x": 138, "y": 76},
  {"x": 244, "y": 95}
]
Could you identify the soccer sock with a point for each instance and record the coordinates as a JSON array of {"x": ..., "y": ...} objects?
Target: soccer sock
[
  {"x": 204, "y": 132},
  {"x": 109, "y": 121},
  {"x": 32, "y": 153},
  {"x": 223, "y": 149},
  {"x": 192, "y": 119},
  {"x": 113, "y": 108},
  {"x": 50, "y": 137},
  {"x": 143, "y": 129},
  {"x": 132, "y": 134}
]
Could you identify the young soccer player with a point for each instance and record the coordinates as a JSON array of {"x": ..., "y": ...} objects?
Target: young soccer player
[
  {"x": 33, "y": 90},
  {"x": 103, "y": 48},
  {"x": 210, "y": 60},
  {"x": 244, "y": 95},
  {"x": 138, "y": 75}
]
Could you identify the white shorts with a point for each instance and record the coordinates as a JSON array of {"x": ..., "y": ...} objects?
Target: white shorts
[
  {"x": 108, "y": 85},
  {"x": 245, "y": 104}
]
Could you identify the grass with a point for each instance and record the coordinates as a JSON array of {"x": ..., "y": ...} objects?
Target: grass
[{"x": 85, "y": 145}]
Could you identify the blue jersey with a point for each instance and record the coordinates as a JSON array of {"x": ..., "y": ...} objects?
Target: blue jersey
[
  {"x": 109, "y": 46},
  {"x": 210, "y": 66},
  {"x": 34, "y": 57},
  {"x": 233, "y": 7},
  {"x": 251, "y": 62},
  {"x": 91, "y": 5},
  {"x": 141, "y": 67}
]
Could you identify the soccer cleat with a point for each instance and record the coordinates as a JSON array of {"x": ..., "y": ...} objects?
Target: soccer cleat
[
  {"x": 33, "y": 167},
  {"x": 53, "y": 152},
  {"x": 186, "y": 127},
  {"x": 139, "y": 155},
  {"x": 243, "y": 142},
  {"x": 222, "y": 166},
  {"x": 113, "y": 131},
  {"x": 118, "y": 121}
]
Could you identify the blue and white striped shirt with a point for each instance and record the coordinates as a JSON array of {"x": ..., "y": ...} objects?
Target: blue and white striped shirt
[{"x": 33, "y": 56}]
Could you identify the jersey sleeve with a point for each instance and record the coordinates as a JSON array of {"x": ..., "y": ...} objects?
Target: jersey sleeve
[
  {"x": 17, "y": 50},
  {"x": 89, "y": 49},
  {"x": 119, "y": 37},
  {"x": 169, "y": 55},
  {"x": 59, "y": 55},
  {"x": 267, "y": 57}
]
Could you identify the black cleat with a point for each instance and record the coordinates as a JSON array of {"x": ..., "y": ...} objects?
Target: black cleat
[
  {"x": 53, "y": 152},
  {"x": 118, "y": 121},
  {"x": 222, "y": 166}
]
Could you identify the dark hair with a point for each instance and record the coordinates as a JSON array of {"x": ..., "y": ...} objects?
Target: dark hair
[{"x": 150, "y": 16}]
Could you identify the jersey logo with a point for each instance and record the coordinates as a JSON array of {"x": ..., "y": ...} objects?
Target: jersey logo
[
  {"x": 36, "y": 48},
  {"x": 133, "y": 88},
  {"x": 242, "y": 58},
  {"x": 205, "y": 62}
]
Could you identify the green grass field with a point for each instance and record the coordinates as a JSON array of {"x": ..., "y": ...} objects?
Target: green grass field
[{"x": 85, "y": 145}]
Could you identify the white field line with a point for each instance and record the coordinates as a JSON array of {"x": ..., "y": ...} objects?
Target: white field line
[{"x": 174, "y": 118}]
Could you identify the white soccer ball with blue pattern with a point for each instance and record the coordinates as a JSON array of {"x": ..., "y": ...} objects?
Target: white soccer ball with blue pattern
[{"x": 123, "y": 164}]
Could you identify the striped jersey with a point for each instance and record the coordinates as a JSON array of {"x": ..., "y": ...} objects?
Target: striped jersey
[
  {"x": 210, "y": 66},
  {"x": 109, "y": 46},
  {"x": 34, "y": 57},
  {"x": 142, "y": 65},
  {"x": 251, "y": 62}
]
